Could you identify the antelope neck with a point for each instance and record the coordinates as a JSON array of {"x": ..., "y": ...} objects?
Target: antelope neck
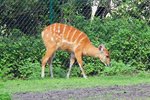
[{"x": 91, "y": 50}]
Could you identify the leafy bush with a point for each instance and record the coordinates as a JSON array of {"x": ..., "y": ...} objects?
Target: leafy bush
[
  {"x": 18, "y": 54},
  {"x": 130, "y": 42},
  {"x": 30, "y": 70},
  {"x": 127, "y": 39},
  {"x": 118, "y": 68}
]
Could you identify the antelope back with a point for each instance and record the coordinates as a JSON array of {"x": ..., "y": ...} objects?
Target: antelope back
[{"x": 64, "y": 36}]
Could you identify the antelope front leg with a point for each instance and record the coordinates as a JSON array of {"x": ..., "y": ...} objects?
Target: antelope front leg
[
  {"x": 78, "y": 56},
  {"x": 72, "y": 60}
]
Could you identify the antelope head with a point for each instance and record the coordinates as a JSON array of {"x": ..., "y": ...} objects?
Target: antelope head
[{"x": 104, "y": 55}]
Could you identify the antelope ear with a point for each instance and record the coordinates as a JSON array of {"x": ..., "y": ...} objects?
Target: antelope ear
[{"x": 101, "y": 47}]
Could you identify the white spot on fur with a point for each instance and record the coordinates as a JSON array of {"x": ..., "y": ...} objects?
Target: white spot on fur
[
  {"x": 52, "y": 39},
  {"x": 47, "y": 35},
  {"x": 59, "y": 31}
]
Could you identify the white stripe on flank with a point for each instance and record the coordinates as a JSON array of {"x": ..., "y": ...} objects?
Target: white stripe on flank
[
  {"x": 73, "y": 34},
  {"x": 76, "y": 47},
  {"x": 65, "y": 41},
  {"x": 78, "y": 37},
  {"x": 64, "y": 30},
  {"x": 68, "y": 32},
  {"x": 50, "y": 29},
  {"x": 58, "y": 27},
  {"x": 82, "y": 39},
  {"x": 54, "y": 29},
  {"x": 79, "y": 43}
]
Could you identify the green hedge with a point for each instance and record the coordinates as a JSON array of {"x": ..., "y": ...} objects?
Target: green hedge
[{"x": 127, "y": 39}]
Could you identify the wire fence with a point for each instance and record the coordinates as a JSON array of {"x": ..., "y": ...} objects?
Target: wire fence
[
  {"x": 29, "y": 16},
  {"x": 121, "y": 25},
  {"x": 25, "y": 15}
]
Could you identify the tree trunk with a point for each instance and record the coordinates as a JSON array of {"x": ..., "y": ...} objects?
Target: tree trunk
[
  {"x": 111, "y": 6},
  {"x": 94, "y": 7}
]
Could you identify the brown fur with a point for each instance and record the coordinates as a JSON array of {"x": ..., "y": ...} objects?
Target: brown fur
[{"x": 64, "y": 37}]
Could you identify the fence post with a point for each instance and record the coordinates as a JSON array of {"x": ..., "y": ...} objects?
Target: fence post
[{"x": 51, "y": 11}]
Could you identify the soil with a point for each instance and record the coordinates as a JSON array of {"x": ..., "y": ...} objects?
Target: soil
[{"x": 133, "y": 92}]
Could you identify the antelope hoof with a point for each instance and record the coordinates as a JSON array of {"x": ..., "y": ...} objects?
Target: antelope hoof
[
  {"x": 85, "y": 77},
  {"x": 42, "y": 75}
]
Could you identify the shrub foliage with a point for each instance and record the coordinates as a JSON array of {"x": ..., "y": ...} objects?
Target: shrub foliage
[{"x": 127, "y": 39}]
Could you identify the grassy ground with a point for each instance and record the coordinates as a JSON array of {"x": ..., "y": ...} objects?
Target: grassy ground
[{"x": 15, "y": 86}]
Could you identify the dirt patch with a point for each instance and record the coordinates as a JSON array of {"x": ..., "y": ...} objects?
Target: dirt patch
[{"x": 134, "y": 92}]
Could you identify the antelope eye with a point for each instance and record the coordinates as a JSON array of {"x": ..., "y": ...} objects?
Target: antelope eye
[{"x": 107, "y": 56}]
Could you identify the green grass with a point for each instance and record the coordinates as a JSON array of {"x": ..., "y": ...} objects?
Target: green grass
[
  {"x": 15, "y": 86},
  {"x": 5, "y": 96}
]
